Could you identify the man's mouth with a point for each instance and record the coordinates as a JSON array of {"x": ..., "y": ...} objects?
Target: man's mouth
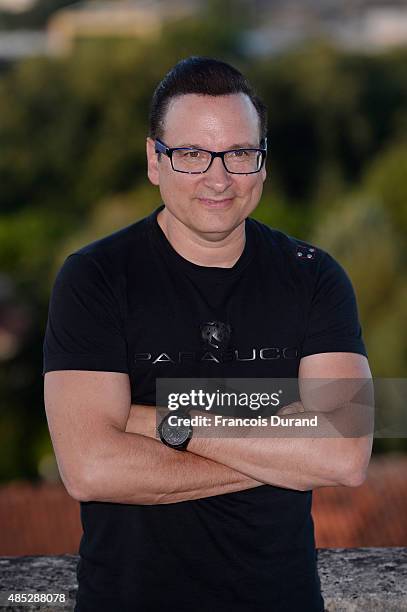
[{"x": 216, "y": 202}]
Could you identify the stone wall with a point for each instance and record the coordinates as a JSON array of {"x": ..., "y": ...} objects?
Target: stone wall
[{"x": 352, "y": 579}]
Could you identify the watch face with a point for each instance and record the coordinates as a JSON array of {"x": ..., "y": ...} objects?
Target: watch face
[{"x": 177, "y": 434}]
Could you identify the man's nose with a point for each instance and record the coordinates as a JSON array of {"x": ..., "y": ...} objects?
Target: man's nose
[{"x": 217, "y": 177}]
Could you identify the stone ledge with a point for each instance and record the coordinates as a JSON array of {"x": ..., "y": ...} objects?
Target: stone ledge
[
  {"x": 371, "y": 579},
  {"x": 352, "y": 579}
]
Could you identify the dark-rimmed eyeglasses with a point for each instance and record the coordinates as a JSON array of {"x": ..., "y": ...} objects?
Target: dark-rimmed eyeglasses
[{"x": 190, "y": 160}]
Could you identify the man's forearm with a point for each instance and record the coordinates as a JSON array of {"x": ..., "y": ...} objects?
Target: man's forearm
[
  {"x": 299, "y": 463},
  {"x": 296, "y": 463},
  {"x": 134, "y": 469}
]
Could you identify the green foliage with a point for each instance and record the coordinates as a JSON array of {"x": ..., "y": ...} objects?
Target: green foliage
[
  {"x": 368, "y": 246},
  {"x": 329, "y": 115},
  {"x": 387, "y": 179}
]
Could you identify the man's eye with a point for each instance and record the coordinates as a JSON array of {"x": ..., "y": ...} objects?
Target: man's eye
[
  {"x": 241, "y": 153},
  {"x": 192, "y": 154}
]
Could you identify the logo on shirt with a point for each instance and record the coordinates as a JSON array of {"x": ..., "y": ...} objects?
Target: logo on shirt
[
  {"x": 216, "y": 337},
  {"x": 216, "y": 334}
]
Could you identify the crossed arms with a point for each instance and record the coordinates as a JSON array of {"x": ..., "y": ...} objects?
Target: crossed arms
[{"x": 106, "y": 448}]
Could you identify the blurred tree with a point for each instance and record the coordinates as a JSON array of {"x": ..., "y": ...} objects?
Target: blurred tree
[
  {"x": 360, "y": 233},
  {"x": 366, "y": 244},
  {"x": 386, "y": 178},
  {"x": 330, "y": 113}
]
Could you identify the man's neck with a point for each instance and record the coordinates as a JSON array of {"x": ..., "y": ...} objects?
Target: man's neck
[{"x": 198, "y": 249}]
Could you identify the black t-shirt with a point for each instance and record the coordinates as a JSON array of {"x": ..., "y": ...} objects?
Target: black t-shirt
[{"x": 130, "y": 303}]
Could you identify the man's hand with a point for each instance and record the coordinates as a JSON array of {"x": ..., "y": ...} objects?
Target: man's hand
[{"x": 293, "y": 408}]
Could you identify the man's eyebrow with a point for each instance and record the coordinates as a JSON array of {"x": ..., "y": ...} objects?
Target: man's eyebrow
[{"x": 240, "y": 145}]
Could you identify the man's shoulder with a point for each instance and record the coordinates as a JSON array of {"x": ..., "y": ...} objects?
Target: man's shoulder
[
  {"x": 311, "y": 267},
  {"x": 290, "y": 248},
  {"x": 117, "y": 244},
  {"x": 109, "y": 257}
]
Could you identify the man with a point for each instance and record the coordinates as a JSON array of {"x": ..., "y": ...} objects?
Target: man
[{"x": 197, "y": 289}]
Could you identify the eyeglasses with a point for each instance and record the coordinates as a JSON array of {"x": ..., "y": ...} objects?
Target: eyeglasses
[{"x": 197, "y": 161}]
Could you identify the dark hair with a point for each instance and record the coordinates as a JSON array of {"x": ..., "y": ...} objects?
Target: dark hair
[{"x": 201, "y": 75}]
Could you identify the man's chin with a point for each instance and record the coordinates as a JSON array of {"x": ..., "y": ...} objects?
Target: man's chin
[{"x": 214, "y": 226}]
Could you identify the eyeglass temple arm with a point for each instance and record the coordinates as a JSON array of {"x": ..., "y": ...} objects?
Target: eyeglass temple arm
[{"x": 160, "y": 147}]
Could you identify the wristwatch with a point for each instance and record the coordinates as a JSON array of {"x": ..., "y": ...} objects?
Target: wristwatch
[{"x": 178, "y": 433}]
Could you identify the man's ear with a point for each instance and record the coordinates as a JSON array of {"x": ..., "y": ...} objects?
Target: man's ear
[{"x": 152, "y": 162}]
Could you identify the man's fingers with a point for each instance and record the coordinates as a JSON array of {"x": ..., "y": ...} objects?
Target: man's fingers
[{"x": 291, "y": 408}]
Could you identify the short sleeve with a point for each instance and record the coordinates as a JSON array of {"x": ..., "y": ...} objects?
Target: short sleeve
[
  {"x": 84, "y": 328},
  {"x": 333, "y": 322}
]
